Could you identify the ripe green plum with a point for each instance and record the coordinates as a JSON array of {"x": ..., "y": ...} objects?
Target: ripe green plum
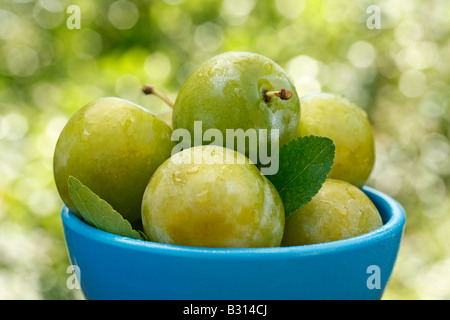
[
  {"x": 347, "y": 124},
  {"x": 113, "y": 147},
  {"x": 239, "y": 90},
  {"x": 338, "y": 211},
  {"x": 210, "y": 196}
]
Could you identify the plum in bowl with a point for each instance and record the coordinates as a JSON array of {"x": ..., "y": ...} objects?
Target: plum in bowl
[{"x": 116, "y": 267}]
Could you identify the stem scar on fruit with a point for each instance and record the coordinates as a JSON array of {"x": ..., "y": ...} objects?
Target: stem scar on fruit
[
  {"x": 283, "y": 94},
  {"x": 151, "y": 90}
]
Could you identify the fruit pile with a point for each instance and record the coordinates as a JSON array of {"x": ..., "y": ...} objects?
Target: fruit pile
[{"x": 242, "y": 162}]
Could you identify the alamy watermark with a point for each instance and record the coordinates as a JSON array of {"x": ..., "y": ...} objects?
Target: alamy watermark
[
  {"x": 374, "y": 280},
  {"x": 260, "y": 146},
  {"x": 73, "y": 280},
  {"x": 74, "y": 20},
  {"x": 374, "y": 20}
]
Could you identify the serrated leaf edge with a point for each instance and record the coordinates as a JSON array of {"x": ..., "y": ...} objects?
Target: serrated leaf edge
[
  {"x": 312, "y": 160},
  {"x": 308, "y": 199}
]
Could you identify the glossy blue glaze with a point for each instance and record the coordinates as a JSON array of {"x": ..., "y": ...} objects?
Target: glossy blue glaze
[{"x": 115, "y": 267}]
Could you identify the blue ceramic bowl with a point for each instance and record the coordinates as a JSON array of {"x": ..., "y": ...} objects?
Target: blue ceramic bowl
[{"x": 115, "y": 267}]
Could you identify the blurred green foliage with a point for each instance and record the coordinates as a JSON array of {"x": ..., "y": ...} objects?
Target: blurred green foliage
[{"x": 398, "y": 73}]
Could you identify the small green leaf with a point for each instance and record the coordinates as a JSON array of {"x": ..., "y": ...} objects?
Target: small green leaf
[
  {"x": 305, "y": 163},
  {"x": 97, "y": 212}
]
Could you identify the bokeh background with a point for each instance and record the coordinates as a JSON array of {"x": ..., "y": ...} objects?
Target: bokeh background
[{"x": 399, "y": 73}]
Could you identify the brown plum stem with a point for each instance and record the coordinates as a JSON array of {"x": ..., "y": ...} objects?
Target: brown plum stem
[
  {"x": 151, "y": 90},
  {"x": 283, "y": 94}
]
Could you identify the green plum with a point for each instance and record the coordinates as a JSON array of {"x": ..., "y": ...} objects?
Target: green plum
[
  {"x": 113, "y": 147},
  {"x": 347, "y": 124},
  {"x": 338, "y": 211},
  {"x": 210, "y": 196},
  {"x": 239, "y": 90}
]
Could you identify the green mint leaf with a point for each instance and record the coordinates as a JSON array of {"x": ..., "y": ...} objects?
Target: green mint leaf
[
  {"x": 97, "y": 212},
  {"x": 305, "y": 163}
]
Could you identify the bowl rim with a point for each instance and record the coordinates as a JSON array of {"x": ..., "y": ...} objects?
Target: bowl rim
[{"x": 395, "y": 223}]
